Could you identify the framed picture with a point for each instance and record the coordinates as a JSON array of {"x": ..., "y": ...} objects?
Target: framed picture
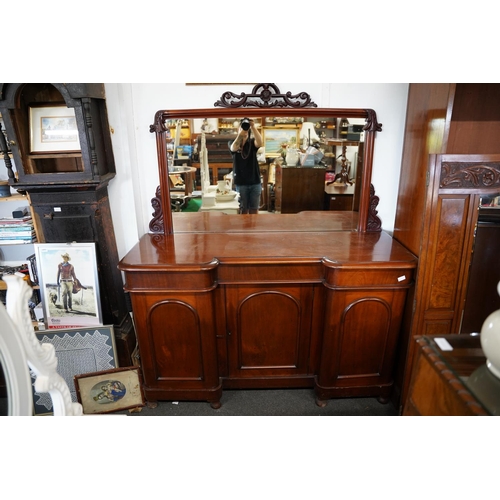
[
  {"x": 78, "y": 351},
  {"x": 275, "y": 138},
  {"x": 110, "y": 390},
  {"x": 69, "y": 287},
  {"x": 53, "y": 129},
  {"x": 208, "y": 125}
]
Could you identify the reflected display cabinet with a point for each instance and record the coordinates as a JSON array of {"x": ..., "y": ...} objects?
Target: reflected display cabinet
[{"x": 60, "y": 142}]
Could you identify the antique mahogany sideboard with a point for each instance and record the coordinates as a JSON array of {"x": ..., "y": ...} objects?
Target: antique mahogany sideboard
[
  {"x": 313, "y": 299},
  {"x": 229, "y": 301}
]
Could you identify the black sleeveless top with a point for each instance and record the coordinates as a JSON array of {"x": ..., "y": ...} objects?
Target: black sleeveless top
[{"x": 246, "y": 169}]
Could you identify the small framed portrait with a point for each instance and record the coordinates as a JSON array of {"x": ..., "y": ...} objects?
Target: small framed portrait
[
  {"x": 53, "y": 129},
  {"x": 69, "y": 286},
  {"x": 110, "y": 390}
]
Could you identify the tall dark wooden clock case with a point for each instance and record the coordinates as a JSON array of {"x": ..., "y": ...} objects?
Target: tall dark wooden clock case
[{"x": 68, "y": 190}]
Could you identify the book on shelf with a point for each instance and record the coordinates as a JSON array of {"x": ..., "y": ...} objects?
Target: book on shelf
[
  {"x": 17, "y": 231},
  {"x": 15, "y": 220},
  {"x": 18, "y": 241},
  {"x": 15, "y": 227},
  {"x": 17, "y": 234},
  {"x": 21, "y": 228}
]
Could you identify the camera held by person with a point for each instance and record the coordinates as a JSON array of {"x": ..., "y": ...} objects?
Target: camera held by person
[{"x": 245, "y": 124}]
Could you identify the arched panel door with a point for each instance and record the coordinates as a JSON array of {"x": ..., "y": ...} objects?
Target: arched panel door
[
  {"x": 177, "y": 341},
  {"x": 359, "y": 342},
  {"x": 261, "y": 344},
  {"x": 177, "y": 346}
]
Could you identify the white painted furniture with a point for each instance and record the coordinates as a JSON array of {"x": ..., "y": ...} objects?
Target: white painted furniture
[
  {"x": 20, "y": 349},
  {"x": 227, "y": 207}
]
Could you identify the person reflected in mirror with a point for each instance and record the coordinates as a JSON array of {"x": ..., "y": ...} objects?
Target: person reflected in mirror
[
  {"x": 65, "y": 278},
  {"x": 246, "y": 171}
]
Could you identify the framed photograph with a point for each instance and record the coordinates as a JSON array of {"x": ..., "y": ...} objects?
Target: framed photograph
[
  {"x": 84, "y": 350},
  {"x": 275, "y": 138},
  {"x": 53, "y": 129},
  {"x": 69, "y": 286},
  {"x": 110, "y": 390}
]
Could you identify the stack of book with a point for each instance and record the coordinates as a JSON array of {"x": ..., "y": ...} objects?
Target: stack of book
[{"x": 17, "y": 231}]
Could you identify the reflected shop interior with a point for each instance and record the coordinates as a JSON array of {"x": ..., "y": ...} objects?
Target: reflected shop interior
[{"x": 306, "y": 162}]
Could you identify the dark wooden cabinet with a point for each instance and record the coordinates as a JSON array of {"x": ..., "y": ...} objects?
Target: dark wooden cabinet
[
  {"x": 451, "y": 157},
  {"x": 299, "y": 188},
  {"x": 363, "y": 321},
  {"x": 339, "y": 197},
  {"x": 301, "y": 305},
  {"x": 92, "y": 163},
  {"x": 302, "y": 299},
  {"x": 68, "y": 190},
  {"x": 484, "y": 275}
]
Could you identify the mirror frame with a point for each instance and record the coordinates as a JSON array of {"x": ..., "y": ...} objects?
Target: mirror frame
[{"x": 265, "y": 99}]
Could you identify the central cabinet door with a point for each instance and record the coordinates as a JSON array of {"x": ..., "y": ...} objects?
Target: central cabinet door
[{"x": 269, "y": 330}]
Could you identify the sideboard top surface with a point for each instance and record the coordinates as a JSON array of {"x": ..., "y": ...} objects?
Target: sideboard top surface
[{"x": 251, "y": 240}]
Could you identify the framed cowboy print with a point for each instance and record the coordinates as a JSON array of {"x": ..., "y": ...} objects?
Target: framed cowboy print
[{"x": 69, "y": 286}]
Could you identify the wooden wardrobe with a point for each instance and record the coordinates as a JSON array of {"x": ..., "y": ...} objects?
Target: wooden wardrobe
[{"x": 451, "y": 158}]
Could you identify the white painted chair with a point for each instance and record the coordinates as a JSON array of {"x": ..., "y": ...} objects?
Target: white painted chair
[{"x": 20, "y": 349}]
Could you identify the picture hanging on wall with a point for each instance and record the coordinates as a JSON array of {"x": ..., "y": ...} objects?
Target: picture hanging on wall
[{"x": 69, "y": 286}]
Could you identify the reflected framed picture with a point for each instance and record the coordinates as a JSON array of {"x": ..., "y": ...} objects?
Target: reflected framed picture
[
  {"x": 274, "y": 138},
  {"x": 110, "y": 390},
  {"x": 53, "y": 129},
  {"x": 207, "y": 125},
  {"x": 69, "y": 286}
]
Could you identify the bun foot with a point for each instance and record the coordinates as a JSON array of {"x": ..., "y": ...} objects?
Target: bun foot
[
  {"x": 152, "y": 404},
  {"x": 320, "y": 402},
  {"x": 382, "y": 400},
  {"x": 215, "y": 405}
]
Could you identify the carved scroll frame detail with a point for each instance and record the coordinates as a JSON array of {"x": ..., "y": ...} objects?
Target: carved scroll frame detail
[{"x": 469, "y": 175}]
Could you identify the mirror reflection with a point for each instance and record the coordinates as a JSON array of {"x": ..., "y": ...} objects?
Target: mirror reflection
[{"x": 305, "y": 162}]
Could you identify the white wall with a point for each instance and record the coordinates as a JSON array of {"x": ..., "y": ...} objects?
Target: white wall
[{"x": 132, "y": 107}]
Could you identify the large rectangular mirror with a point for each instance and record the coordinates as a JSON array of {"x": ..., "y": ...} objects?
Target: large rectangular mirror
[{"x": 334, "y": 176}]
